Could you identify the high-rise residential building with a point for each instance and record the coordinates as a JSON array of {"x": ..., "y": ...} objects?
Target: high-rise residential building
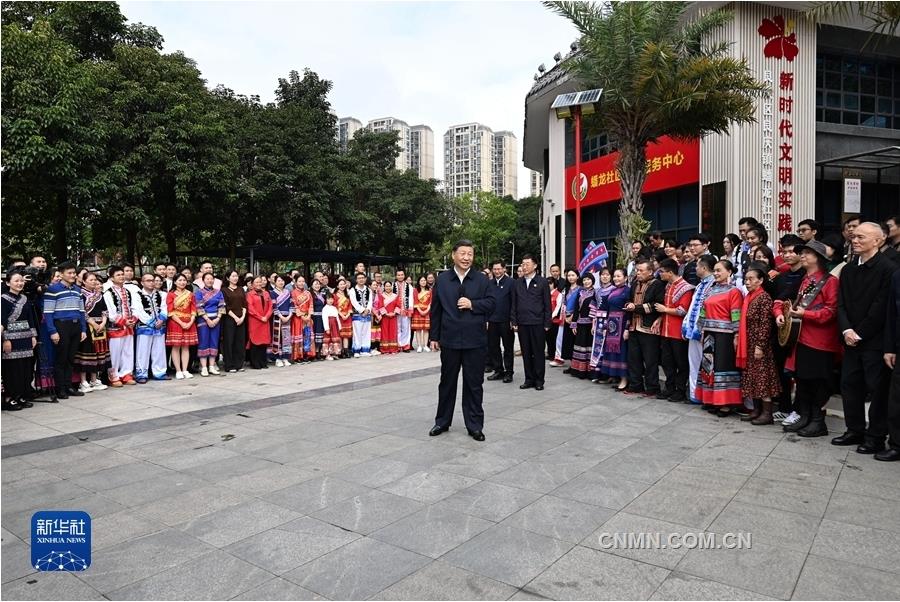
[
  {"x": 421, "y": 151},
  {"x": 467, "y": 159},
  {"x": 347, "y": 127},
  {"x": 504, "y": 168},
  {"x": 387, "y": 124},
  {"x": 537, "y": 183}
]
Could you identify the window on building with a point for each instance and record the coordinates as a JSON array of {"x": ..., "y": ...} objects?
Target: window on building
[{"x": 857, "y": 90}]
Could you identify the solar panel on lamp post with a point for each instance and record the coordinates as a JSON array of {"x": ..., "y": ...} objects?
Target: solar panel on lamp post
[{"x": 577, "y": 104}]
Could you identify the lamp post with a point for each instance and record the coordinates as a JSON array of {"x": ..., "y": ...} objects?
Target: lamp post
[
  {"x": 512, "y": 261},
  {"x": 576, "y": 105}
]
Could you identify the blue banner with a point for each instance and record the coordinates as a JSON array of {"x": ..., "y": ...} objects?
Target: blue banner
[{"x": 594, "y": 257}]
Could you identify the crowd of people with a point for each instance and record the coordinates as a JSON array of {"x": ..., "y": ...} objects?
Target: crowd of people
[
  {"x": 711, "y": 323},
  {"x": 68, "y": 332}
]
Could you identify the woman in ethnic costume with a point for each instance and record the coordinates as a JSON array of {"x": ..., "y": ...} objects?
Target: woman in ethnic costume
[
  {"x": 210, "y": 309},
  {"x": 421, "y": 316},
  {"x": 759, "y": 376},
  {"x": 181, "y": 331},
  {"x": 813, "y": 357},
  {"x": 259, "y": 316},
  {"x": 19, "y": 341},
  {"x": 719, "y": 381},
  {"x": 318, "y": 326},
  {"x": 282, "y": 310},
  {"x": 389, "y": 309},
  {"x": 377, "y": 288},
  {"x": 302, "y": 346},
  {"x": 565, "y": 340},
  {"x": 345, "y": 313},
  {"x": 583, "y": 325},
  {"x": 92, "y": 358},
  {"x": 601, "y": 291},
  {"x": 615, "y": 331}
]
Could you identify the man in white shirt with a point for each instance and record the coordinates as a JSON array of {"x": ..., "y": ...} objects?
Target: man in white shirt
[{"x": 361, "y": 300}]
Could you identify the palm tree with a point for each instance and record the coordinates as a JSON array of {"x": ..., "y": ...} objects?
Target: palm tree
[
  {"x": 659, "y": 78},
  {"x": 882, "y": 17}
]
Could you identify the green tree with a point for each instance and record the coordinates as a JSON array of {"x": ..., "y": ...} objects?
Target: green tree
[
  {"x": 659, "y": 78},
  {"x": 527, "y": 234},
  {"x": 881, "y": 17},
  {"x": 487, "y": 220},
  {"x": 49, "y": 136}
]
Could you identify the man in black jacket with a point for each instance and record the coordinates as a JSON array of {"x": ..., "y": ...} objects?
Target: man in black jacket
[
  {"x": 643, "y": 332},
  {"x": 530, "y": 317},
  {"x": 862, "y": 310},
  {"x": 499, "y": 328},
  {"x": 460, "y": 306},
  {"x": 891, "y": 351}
]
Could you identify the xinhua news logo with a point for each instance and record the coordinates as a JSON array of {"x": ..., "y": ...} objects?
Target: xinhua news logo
[
  {"x": 675, "y": 541},
  {"x": 61, "y": 540}
]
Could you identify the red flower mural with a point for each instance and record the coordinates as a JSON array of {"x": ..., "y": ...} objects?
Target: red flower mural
[{"x": 779, "y": 44}]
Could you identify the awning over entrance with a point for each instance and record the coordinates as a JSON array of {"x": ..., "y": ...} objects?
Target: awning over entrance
[{"x": 877, "y": 160}]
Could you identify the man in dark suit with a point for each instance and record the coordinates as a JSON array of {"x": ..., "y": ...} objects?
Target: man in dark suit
[
  {"x": 499, "y": 328},
  {"x": 643, "y": 332},
  {"x": 461, "y": 303},
  {"x": 530, "y": 317},
  {"x": 891, "y": 350}
]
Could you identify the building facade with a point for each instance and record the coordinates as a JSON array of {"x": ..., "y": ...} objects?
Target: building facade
[
  {"x": 504, "y": 164},
  {"x": 387, "y": 124},
  {"x": 833, "y": 93},
  {"x": 347, "y": 127},
  {"x": 536, "y": 187},
  {"x": 421, "y": 151},
  {"x": 467, "y": 159},
  {"x": 477, "y": 158}
]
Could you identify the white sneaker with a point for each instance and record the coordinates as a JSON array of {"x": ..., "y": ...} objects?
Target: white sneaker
[
  {"x": 97, "y": 386},
  {"x": 84, "y": 387},
  {"x": 179, "y": 376},
  {"x": 329, "y": 358},
  {"x": 366, "y": 354},
  {"x": 214, "y": 369},
  {"x": 204, "y": 371},
  {"x": 793, "y": 418},
  {"x": 355, "y": 355},
  {"x": 428, "y": 349},
  {"x": 187, "y": 374},
  {"x": 279, "y": 364},
  {"x": 287, "y": 363},
  {"x": 375, "y": 352}
]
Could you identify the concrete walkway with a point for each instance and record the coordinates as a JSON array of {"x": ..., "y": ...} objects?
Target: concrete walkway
[{"x": 320, "y": 481}]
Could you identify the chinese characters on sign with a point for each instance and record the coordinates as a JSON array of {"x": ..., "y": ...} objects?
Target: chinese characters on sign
[
  {"x": 778, "y": 175},
  {"x": 57, "y": 526}
]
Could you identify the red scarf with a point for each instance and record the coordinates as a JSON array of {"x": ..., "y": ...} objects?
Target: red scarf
[{"x": 743, "y": 353}]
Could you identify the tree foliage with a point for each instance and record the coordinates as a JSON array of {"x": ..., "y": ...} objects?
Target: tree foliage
[
  {"x": 110, "y": 144},
  {"x": 660, "y": 77}
]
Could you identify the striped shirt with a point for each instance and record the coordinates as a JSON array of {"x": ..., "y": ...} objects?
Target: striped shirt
[{"x": 62, "y": 302}]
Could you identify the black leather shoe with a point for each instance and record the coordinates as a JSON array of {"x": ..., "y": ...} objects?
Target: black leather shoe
[
  {"x": 888, "y": 455},
  {"x": 477, "y": 435},
  {"x": 849, "y": 438},
  {"x": 507, "y": 378},
  {"x": 25, "y": 403},
  {"x": 870, "y": 448},
  {"x": 73, "y": 392},
  {"x": 62, "y": 394},
  {"x": 664, "y": 394},
  {"x": 437, "y": 430},
  {"x": 495, "y": 376},
  {"x": 488, "y": 369},
  {"x": 526, "y": 385},
  {"x": 539, "y": 387},
  {"x": 677, "y": 397}
]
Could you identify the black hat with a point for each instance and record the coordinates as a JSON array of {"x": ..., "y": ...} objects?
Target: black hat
[{"x": 815, "y": 246}]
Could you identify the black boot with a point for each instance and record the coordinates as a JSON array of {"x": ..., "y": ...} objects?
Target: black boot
[
  {"x": 757, "y": 410},
  {"x": 816, "y": 426},
  {"x": 802, "y": 407}
]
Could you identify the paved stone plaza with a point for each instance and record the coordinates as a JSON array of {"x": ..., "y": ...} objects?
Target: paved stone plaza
[{"x": 294, "y": 483}]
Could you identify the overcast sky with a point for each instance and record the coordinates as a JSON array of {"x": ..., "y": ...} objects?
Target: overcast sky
[{"x": 437, "y": 63}]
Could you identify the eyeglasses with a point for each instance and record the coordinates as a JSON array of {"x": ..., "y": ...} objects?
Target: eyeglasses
[{"x": 802, "y": 230}]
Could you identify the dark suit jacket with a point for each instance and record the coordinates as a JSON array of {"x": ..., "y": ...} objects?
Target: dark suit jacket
[
  {"x": 531, "y": 305},
  {"x": 461, "y": 329},
  {"x": 503, "y": 297},
  {"x": 862, "y": 299},
  {"x": 892, "y": 329}
]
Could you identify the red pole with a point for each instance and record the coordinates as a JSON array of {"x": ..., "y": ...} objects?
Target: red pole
[{"x": 577, "y": 190}]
